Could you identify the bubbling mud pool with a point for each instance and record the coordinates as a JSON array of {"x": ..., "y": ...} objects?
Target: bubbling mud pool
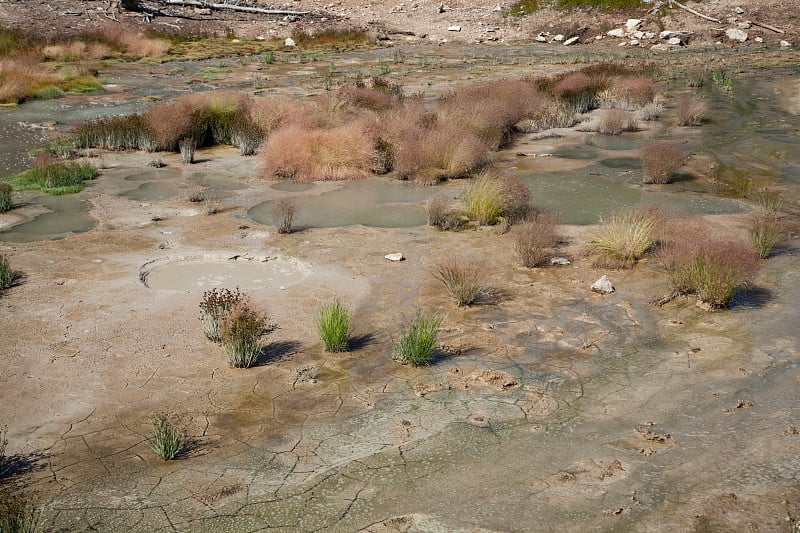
[{"x": 202, "y": 273}]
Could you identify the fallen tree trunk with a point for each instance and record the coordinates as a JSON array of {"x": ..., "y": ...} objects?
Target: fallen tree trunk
[{"x": 246, "y": 9}]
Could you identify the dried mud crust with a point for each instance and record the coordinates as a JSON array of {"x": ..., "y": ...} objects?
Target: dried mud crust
[{"x": 409, "y": 20}]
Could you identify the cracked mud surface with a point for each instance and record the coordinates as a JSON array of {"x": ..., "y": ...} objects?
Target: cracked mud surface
[{"x": 552, "y": 408}]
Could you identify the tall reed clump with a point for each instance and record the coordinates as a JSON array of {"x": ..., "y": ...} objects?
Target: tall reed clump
[
  {"x": 494, "y": 197},
  {"x": 691, "y": 111},
  {"x": 241, "y": 332},
  {"x": 215, "y": 305},
  {"x": 535, "y": 238},
  {"x": 418, "y": 341},
  {"x": 578, "y": 90},
  {"x": 624, "y": 238},
  {"x": 130, "y": 132},
  {"x": 660, "y": 160},
  {"x": 187, "y": 147},
  {"x": 7, "y": 275},
  {"x": 167, "y": 437},
  {"x": 5, "y": 197},
  {"x": 710, "y": 268},
  {"x": 463, "y": 279},
  {"x": 333, "y": 323},
  {"x": 284, "y": 212},
  {"x": 765, "y": 232}
]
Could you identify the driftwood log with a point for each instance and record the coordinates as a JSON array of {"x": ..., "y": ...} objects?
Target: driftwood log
[{"x": 134, "y": 5}]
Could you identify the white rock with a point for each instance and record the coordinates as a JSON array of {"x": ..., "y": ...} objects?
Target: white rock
[
  {"x": 559, "y": 261},
  {"x": 394, "y": 257},
  {"x": 735, "y": 34},
  {"x": 571, "y": 40},
  {"x": 786, "y": 44},
  {"x": 603, "y": 286},
  {"x": 454, "y": 28},
  {"x": 661, "y": 47},
  {"x": 289, "y": 42},
  {"x": 598, "y": 37},
  {"x": 666, "y": 34},
  {"x": 540, "y": 39},
  {"x": 558, "y": 38},
  {"x": 759, "y": 40},
  {"x": 739, "y": 11},
  {"x": 634, "y": 42},
  {"x": 649, "y": 35},
  {"x": 746, "y": 25},
  {"x": 632, "y": 24},
  {"x": 674, "y": 41},
  {"x": 618, "y": 33}
]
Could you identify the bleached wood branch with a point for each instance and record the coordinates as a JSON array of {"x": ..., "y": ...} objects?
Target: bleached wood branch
[
  {"x": 767, "y": 26},
  {"x": 246, "y": 9},
  {"x": 693, "y": 12}
]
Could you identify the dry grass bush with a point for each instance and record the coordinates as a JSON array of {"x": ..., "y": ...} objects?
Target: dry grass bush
[
  {"x": 131, "y": 42},
  {"x": 545, "y": 113},
  {"x": 624, "y": 238},
  {"x": 22, "y": 77},
  {"x": 660, "y": 160},
  {"x": 577, "y": 89},
  {"x": 710, "y": 268},
  {"x": 490, "y": 110},
  {"x": 442, "y": 216},
  {"x": 651, "y": 111},
  {"x": 304, "y": 154},
  {"x": 274, "y": 111},
  {"x": 130, "y": 132},
  {"x": 629, "y": 93},
  {"x": 691, "y": 111},
  {"x": 76, "y": 51},
  {"x": 765, "y": 232},
  {"x": 495, "y": 197},
  {"x": 241, "y": 332},
  {"x": 285, "y": 211},
  {"x": 427, "y": 155},
  {"x": 535, "y": 238},
  {"x": 611, "y": 122},
  {"x": 5, "y": 197},
  {"x": 463, "y": 279}
]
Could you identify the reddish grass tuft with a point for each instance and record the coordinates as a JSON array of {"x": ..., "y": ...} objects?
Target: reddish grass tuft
[
  {"x": 304, "y": 154},
  {"x": 535, "y": 238},
  {"x": 691, "y": 111},
  {"x": 660, "y": 160},
  {"x": 710, "y": 268}
]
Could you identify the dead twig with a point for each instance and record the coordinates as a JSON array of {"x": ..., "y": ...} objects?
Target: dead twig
[
  {"x": 767, "y": 26},
  {"x": 232, "y": 7}
]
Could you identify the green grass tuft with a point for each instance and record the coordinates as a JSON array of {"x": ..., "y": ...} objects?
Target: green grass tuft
[
  {"x": 417, "y": 342},
  {"x": 167, "y": 438},
  {"x": 241, "y": 333},
  {"x": 333, "y": 321}
]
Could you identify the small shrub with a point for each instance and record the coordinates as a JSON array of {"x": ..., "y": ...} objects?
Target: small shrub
[
  {"x": 7, "y": 275},
  {"x": 333, "y": 322},
  {"x": 764, "y": 232},
  {"x": 5, "y": 197},
  {"x": 691, "y": 111},
  {"x": 215, "y": 305},
  {"x": 418, "y": 341},
  {"x": 633, "y": 93},
  {"x": 624, "y": 238},
  {"x": 578, "y": 90},
  {"x": 770, "y": 201},
  {"x": 167, "y": 438},
  {"x": 534, "y": 239},
  {"x": 614, "y": 122},
  {"x": 660, "y": 160},
  {"x": 463, "y": 279},
  {"x": 711, "y": 269},
  {"x": 17, "y": 514},
  {"x": 649, "y": 112},
  {"x": 187, "y": 147},
  {"x": 493, "y": 197},
  {"x": 285, "y": 211},
  {"x": 3, "y": 444},
  {"x": 241, "y": 332}
]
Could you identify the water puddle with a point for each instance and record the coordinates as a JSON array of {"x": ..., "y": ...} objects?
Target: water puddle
[
  {"x": 292, "y": 186},
  {"x": 16, "y": 141},
  {"x": 151, "y": 191},
  {"x": 575, "y": 152},
  {"x": 374, "y": 202},
  {"x": 584, "y": 198},
  {"x": 627, "y": 163},
  {"x": 205, "y": 273},
  {"x": 157, "y": 174},
  {"x": 65, "y": 215},
  {"x": 614, "y": 142}
]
